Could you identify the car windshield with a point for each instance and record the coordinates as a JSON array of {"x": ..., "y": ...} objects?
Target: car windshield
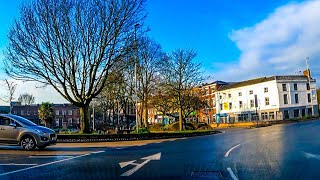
[{"x": 22, "y": 120}]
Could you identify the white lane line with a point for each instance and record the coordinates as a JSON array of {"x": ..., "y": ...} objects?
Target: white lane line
[
  {"x": 97, "y": 152},
  {"x": 41, "y": 165},
  {"x": 119, "y": 148},
  {"x": 58, "y": 156},
  {"x": 308, "y": 125},
  {"x": 158, "y": 142},
  {"x": 13, "y": 164},
  {"x": 234, "y": 177},
  {"x": 228, "y": 152}
]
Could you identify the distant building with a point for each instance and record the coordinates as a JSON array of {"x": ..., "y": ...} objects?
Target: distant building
[
  {"x": 64, "y": 114},
  {"x": 267, "y": 98},
  {"x": 4, "y": 109}
]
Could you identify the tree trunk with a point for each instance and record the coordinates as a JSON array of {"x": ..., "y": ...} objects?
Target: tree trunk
[
  {"x": 146, "y": 113},
  {"x": 180, "y": 119},
  {"x": 85, "y": 116}
]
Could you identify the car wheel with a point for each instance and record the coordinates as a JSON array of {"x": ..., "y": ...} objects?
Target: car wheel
[
  {"x": 42, "y": 147},
  {"x": 28, "y": 143}
]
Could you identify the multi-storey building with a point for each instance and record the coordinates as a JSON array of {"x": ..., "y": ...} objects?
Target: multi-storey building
[
  {"x": 267, "y": 98},
  {"x": 64, "y": 114}
]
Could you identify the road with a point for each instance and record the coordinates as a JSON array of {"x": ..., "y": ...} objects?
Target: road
[{"x": 289, "y": 151}]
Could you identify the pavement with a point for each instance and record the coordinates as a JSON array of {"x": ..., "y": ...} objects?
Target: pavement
[{"x": 285, "y": 151}]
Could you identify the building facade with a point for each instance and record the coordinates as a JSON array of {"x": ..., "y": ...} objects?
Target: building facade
[
  {"x": 65, "y": 115},
  {"x": 267, "y": 98}
]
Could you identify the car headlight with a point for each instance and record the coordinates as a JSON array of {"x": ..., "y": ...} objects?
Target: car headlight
[{"x": 39, "y": 131}]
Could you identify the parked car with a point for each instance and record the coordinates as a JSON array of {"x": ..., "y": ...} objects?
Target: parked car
[{"x": 17, "y": 130}]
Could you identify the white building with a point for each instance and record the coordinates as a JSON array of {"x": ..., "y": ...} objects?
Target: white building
[{"x": 269, "y": 98}]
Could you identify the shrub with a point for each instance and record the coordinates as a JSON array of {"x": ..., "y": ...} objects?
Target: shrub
[
  {"x": 142, "y": 130},
  {"x": 156, "y": 127},
  {"x": 175, "y": 126}
]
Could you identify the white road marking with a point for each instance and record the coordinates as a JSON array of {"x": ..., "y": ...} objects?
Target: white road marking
[
  {"x": 119, "y": 148},
  {"x": 234, "y": 177},
  {"x": 158, "y": 142},
  {"x": 138, "y": 166},
  {"x": 309, "y": 155},
  {"x": 41, "y": 165},
  {"x": 57, "y": 156},
  {"x": 308, "y": 125},
  {"x": 97, "y": 152},
  {"x": 228, "y": 152},
  {"x": 13, "y": 164}
]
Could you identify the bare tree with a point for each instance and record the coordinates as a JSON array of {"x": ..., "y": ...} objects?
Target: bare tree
[
  {"x": 72, "y": 45},
  {"x": 26, "y": 99},
  {"x": 149, "y": 67},
  {"x": 11, "y": 88},
  {"x": 182, "y": 75}
]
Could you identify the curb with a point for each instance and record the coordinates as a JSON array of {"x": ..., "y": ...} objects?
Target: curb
[{"x": 127, "y": 137}]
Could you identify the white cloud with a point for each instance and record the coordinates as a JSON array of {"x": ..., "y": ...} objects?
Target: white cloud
[{"x": 279, "y": 44}]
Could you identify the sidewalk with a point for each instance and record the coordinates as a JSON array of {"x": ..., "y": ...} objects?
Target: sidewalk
[{"x": 111, "y": 144}]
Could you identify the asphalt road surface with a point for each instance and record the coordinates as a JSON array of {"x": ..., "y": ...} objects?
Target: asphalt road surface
[{"x": 288, "y": 151}]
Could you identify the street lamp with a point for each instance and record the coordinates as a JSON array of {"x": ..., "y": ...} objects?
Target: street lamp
[{"x": 135, "y": 74}]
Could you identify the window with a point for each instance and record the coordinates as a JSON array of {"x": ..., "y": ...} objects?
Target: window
[
  {"x": 240, "y": 104},
  {"x": 64, "y": 112},
  {"x": 284, "y": 87},
  {"x": 296, "y": 113},
  {"x": 69, "y": 121},
  {"x": 57, "y": 112},
  {"x": 4, "y": 121},
  {"x": 229, "y": 95},
  {"x": 309, "y": 111},
  {"x": 271, "y": 115},
  {"x": 34, "y": 112},
  {"x": 28, "y": 112},
  {"x": 264, "y": 116},
  {"x": 251, "y": 92},
  {"x": 295, "y": 87},
  {"x": 309, "y": 98},
  {"x": 285, "y": 99},
  {"x": 221, "y": 107},
  {"x": 303, "y": 112},
  {"x": 296, "y": 97},
  {"x": 266, "y": 90},
  {"x": 286, "y": 114},
  {"x": 220, "y": 97},
  {"x": 70, "y": 112},
  {"x": 15, "y": 112},
  {"x": 267, "y": 101},
  {"x": 243, "y": 117},
  {"x": 252, "y": 103},
  {"x": 230, "y": 105},
  {"x": 240, "y": 93},
  {"x": 22, "y": 112},
  {"x": 308, "y": 86},
  {"x": 254, "y": 116}
]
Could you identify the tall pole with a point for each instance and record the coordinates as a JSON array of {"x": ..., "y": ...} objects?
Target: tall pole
[
  {"x": 135, "y": 75},
  {"x": 93, "y": 116}
]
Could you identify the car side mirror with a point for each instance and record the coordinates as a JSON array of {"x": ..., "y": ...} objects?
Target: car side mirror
[{"x": 13, "y": 125}]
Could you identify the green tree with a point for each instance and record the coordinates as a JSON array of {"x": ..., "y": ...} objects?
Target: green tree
[
  {"x": 45, "y": 113},
  {"x": 72, "y": 45}
]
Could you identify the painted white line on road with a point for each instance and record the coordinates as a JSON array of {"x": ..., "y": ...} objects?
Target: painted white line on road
[
  {"x": 158, "y": 142},
  {"x": 97, "y": 152},
  {"x": 309, "y": 155},
  {"x": 41, "y": 165},
  {"x": 119, "y": 148},
  {"x": 138, "y": 166},
  {"x": 57, "y": 156},
  {"x": 308, "y": 125},
  {"x": 228, "y": 152},
  {"x": 234, "y": 177},
  {"x": 13, "y": 164}
]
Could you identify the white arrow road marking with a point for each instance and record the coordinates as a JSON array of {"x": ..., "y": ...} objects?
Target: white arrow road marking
[
  {"x": 234, "y": 177},
  {"x": 309, "y": 155},
  {"x": 138, "y": 166},
  {"x": 228, "y": 152}
]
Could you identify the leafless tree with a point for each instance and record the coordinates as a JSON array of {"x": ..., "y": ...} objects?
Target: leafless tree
[
  {"x": 26, "y": 99},
  {"x": 72, "y": 45},
  {"x": 182, "y": 75},
  {"x": 149, "y": 67},
  {"x": 10, "y": 88}
]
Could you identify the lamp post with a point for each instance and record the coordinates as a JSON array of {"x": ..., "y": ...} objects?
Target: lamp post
[{"x": 135, "y": 74}]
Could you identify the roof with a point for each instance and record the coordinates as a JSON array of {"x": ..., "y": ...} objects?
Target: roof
[{"x": 260, "y": 80}]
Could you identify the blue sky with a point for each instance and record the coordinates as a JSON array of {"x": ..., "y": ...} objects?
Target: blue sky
[{"x": 234, "y": 39}]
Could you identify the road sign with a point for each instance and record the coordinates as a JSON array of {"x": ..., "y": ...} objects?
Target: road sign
[{"x": 138, "y": 166}]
